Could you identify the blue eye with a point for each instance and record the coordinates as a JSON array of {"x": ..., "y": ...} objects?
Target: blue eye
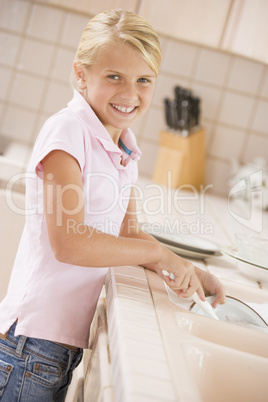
[
  {"x": 114, "y": 77},
  {"x": 145, "y": 80}
]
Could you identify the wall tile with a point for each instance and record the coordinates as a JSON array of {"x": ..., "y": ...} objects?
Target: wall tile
[
  {"x": 100, "y": 5},
  {"x": 13, "y": 14},
  {"x": 245, "y": 75},
  {"x": 92, "y": 7},
  {"x": 162, "y": 41},
  {"x": 63, "y": 64},
  {"x": 179, "y": 58},
  {"x": 10, "y": 168},
  {"x": 260, "y": 122},
  {"x": 57, "y": 97},
  {"x": 27, "y": 91},
  {"x": 36, "y": 57},
  {"x": 217, "y": 174},
  {"x": 18, "y": 124},
  {"x": 41, "y": 118},
  {"x": 9, "y": 45},
  {"x": 45, "y": 22},
  {"x": 18, "y": 153},
  {"x": 137, "y": 127},
  {"x": 264, "y": 89},
  {"x": 1, "y": 111},
  {"x": 209, "y": 133},
  {"x": 136, "y": 294},
  {"x": 44, "y": 40},
  {"x": 143, "y": 366},
  {"x": 164, "y": 87},
  {"x": 138, "y": 283},
  {"x": 73, "y": 29},
  {"x": 210, "y": 98},
  {"x": 257, "y": 146},
  {"x": 132, "y": 272},
  {"x": 154, "y": 124},
  {"x": 227, "y": 142},
  {"x": 5, "y": 75},
  {"x": 148, "y": 160},
  {"x": 236, "y": 109},
  {"x": 140, "y": 386},
  {"x": 147, "y": 349},
  {"x": 212, "y": 67}
]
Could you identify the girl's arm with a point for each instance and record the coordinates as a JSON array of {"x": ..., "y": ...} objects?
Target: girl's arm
[
  {"x": 71, "y": 240},
  {"x": 86, "y": 246},
  {"x": 131, "y": 228}
]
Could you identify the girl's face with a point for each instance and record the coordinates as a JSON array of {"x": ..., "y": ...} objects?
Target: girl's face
[{"x": 118, "y": 86}]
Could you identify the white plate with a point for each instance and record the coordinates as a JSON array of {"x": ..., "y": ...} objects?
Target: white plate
[
  {"x": 252, "y": 271},
  {"x": 188, "y": 253},
  {"x": 189, "y": 245},
  {"x": 235, "y": 312},
  {"x": 232, "y": 252}
]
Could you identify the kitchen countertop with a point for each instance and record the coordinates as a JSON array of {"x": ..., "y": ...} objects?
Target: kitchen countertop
[
  {"x": 158, "y": 349},
  {"x": 161, "y": 351}
]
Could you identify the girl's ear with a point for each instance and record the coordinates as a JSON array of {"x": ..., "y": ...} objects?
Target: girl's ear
[{"x": 80, "y": 75}]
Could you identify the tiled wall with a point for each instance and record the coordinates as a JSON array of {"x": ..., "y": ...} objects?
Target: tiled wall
[
  {"x": 234, "y": 93},
  {"x": 37, "y": 46}
]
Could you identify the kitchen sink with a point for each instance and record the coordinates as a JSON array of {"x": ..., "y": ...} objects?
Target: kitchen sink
[
  {"x": 227, "y": 362},
  {"x": 223, "y": 333},
  {"x": 212, "y": 360},
  {"x": 224, "y": 374}
]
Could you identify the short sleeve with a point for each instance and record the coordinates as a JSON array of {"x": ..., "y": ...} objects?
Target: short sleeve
[{"x": 63, "y": 131}]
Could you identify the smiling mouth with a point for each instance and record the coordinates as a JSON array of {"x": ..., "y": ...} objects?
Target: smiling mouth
[{"x": 126, "y": 110}]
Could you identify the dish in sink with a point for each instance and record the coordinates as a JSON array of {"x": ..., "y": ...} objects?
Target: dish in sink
[{"x": 234, "y": 311}]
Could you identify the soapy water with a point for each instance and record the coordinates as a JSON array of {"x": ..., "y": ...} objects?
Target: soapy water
[
  {"x": 235, "y": 312},
  {"x": 234, "y": 320},
  {"x": 244, "y": 323}
]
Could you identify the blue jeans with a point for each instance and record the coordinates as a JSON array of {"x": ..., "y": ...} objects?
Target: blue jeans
[{"x": 35, "y": 370}]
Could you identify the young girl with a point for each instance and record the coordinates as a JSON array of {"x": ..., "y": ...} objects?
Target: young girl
[{"x": 81, "y": 213}]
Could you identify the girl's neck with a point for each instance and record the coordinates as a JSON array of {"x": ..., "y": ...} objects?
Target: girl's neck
[{"x": 114, "y": 133}]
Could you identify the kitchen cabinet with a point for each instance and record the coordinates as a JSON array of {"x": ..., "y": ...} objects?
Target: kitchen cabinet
[
  {"x": 98, "y": 384},
  {"x": 246, "y": 32},
  {"x": 12, "y": 223},
  {"x": 192, "y": 20},
  {"x": 236, "y": 26},
  {"x": 162, "y": 351},
  {"x": 147, "y": 344},
  {"x": 93, "y": 7}
]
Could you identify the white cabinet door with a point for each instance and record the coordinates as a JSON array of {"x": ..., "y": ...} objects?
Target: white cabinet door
[
  {"x": 247, "y": 29},
  {"x": 198, "y": 21},
  {"x": 93, "y": 7}
]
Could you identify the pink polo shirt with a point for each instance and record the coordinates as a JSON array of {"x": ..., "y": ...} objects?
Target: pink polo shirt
[{"x": 50, "y": 299}]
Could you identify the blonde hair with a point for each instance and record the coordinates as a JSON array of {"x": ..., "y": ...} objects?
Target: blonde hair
[{"x": 115, "y": 26}]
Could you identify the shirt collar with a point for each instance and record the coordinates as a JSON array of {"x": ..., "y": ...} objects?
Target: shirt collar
[{"x": 127, "y": 141}]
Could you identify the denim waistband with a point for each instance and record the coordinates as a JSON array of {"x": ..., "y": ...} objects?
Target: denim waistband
[{"x": 22, "y": 345}]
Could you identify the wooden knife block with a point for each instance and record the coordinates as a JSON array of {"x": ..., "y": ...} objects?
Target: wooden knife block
[{"x": 181, "y": 160}]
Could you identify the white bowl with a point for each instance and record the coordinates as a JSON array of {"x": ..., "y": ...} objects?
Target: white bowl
[
  {"x": 255, "y": 272},
  {"x": 252, "y": 248}
]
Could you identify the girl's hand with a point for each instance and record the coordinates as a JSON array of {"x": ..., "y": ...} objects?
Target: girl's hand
[
  {"x": 186, "y": 281},
  {"x": 211, "y": 286}
]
